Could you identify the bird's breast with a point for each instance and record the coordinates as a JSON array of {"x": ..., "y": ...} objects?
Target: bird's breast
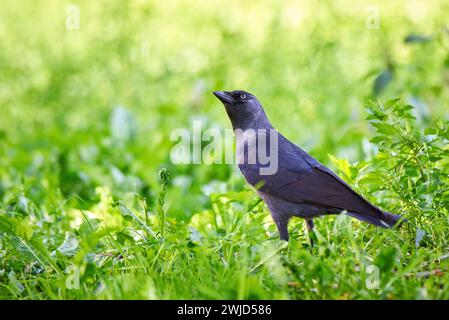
[{"x": 257, "y": 154}]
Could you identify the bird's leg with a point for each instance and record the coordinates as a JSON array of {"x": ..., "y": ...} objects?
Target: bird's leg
[
  {"x": 309, "y": 225},
  {"x": 282, "y": 225}
]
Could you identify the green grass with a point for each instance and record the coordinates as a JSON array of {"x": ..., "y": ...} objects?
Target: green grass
[{"x": 89, "y": 196}]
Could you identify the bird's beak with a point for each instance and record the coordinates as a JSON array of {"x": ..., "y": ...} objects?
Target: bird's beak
[{"x": 224, "y": 97}]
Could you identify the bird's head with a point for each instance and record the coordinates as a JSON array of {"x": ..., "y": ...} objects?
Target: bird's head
[{"x": 243, "y": 108}]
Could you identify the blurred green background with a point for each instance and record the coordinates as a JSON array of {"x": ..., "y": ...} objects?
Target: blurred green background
[
  {"x": 312, "y": 64},
  {"x": 95, "y": 106}
]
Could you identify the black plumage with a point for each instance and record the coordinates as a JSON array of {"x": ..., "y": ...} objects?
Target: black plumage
[{"x": 301, "y": 186}]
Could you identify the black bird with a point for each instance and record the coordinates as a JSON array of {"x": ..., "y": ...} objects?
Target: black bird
[{"x": 300, "y": 186}]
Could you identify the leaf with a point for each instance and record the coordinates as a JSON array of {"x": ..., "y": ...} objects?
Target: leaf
[
  {"x": 16, "y": 226},
  {"x": 377, "y": 139},
  {"x": 384, "y": 128},
  {"x": 126, "y": 212},
  {"x": 342, "y": 165},
  {"x": 430, "y": 131},
  {"x": 382, "y": 81},
  {"x": 417, "y": 38},
  {"x": 123, "y": 208},
  {"x": 70, "y": 245},
  {"x": 392, "y": 103},
  {"x": 15, "y": 283},
  {"x": 386, "y": 259},
  {"x": 123, "y": 237},
  {"x": 22, "y": 248},
  {"x": 419, "y": 236},
  {"x": 375, "y": 112},
  {"x": 195, "y": 235},
  {"x": 371, "y": 178}
]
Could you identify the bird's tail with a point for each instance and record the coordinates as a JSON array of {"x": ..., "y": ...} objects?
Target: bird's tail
[
  {"x": 393, "y": 220},
  {"x": 386, "y": 219}
]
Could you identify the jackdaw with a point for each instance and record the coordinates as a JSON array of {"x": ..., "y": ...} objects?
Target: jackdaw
[{"x": 298, "y": 185}]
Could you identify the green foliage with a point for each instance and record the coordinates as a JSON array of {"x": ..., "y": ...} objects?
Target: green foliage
[
  {"x": 85, "y": 123},
  {"x": 411, "y": 164}
]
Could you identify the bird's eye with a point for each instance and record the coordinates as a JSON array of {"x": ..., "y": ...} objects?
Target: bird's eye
[{"x": 242, "y": 96}]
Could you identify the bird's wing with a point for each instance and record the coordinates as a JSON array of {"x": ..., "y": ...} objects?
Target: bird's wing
[{"x": 315, "y": 184}]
